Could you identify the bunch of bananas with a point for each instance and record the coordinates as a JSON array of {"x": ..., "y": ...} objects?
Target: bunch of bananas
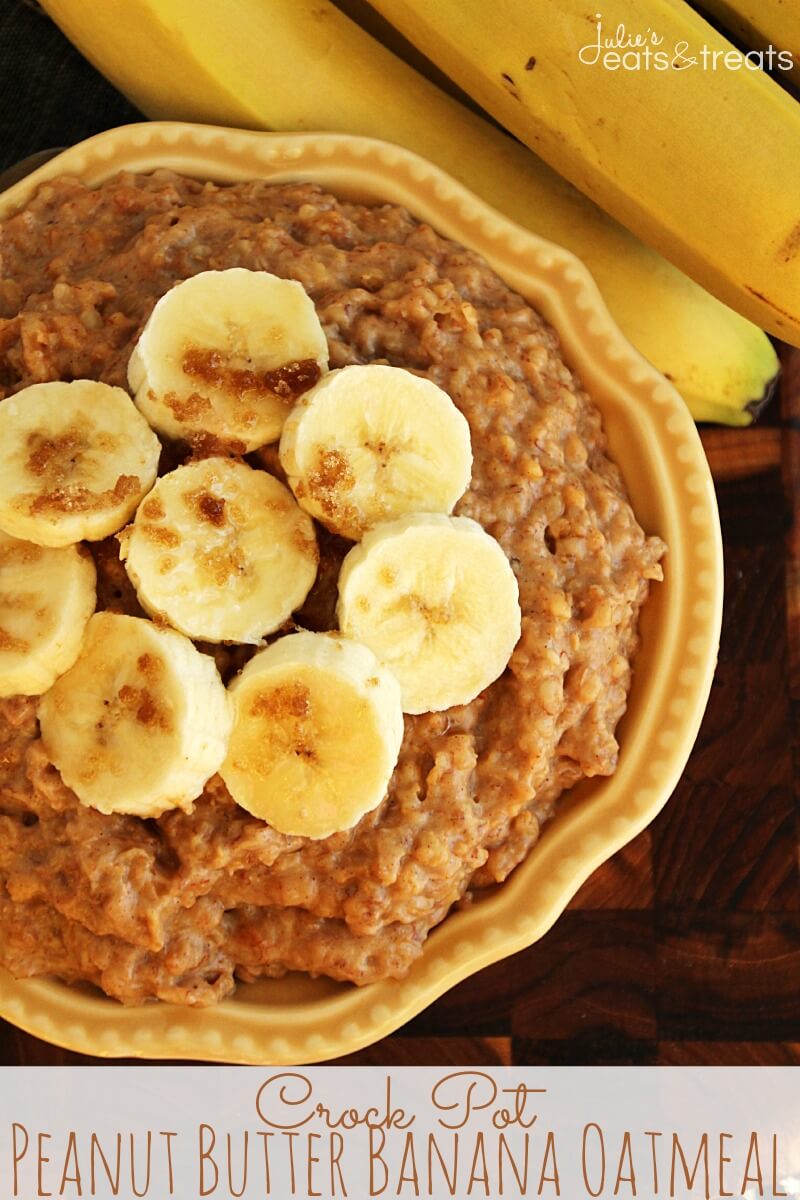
[{"x": 640, "y": 122}]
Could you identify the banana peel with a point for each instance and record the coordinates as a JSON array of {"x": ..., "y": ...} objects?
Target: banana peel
[
  {"x": 761, "y": 25},
  {"x": 656, "y": 150}
]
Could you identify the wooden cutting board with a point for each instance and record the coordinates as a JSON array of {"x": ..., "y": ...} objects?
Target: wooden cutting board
[{"x": 684, "y": 948}]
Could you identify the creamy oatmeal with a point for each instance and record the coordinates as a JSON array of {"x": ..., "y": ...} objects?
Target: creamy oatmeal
[{"x": 180, "y": 907}]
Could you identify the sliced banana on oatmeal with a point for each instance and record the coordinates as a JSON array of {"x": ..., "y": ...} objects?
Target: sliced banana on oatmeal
[
  {"x": 370, "y": 443},
  {"x": 75, "y": 460},
  {"x": 225, "y": 354},
  {"x": 221, "y": 552},
  {"x": 46, "y": 598},
  {"x": 435, "y": 598},
  {"x": 317, "y": 731},
  {"x": 140, "y": 722}
]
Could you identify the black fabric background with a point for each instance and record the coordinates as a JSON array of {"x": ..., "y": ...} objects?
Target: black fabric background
[{"x": 49, "y": 95}]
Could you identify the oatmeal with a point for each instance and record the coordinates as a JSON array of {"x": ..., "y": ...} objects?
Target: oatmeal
[{"x": 181, "y": 907}]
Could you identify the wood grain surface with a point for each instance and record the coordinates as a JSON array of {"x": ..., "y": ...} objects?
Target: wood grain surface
[{"x": 685, "y": 947}]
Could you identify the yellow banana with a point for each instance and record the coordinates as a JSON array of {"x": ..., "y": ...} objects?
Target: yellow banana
[
  {"x": 645, "y": 137},
  {"x": 761, "y": 24},
  {"x": 301, "y": 64}
]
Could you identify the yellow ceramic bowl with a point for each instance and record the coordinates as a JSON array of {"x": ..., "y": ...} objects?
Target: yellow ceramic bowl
[{"x": 655, "y": 443}]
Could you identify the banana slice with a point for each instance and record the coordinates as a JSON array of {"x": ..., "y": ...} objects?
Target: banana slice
[
  {"x": 317, "y": 732},
  {"x": 225, "y": 354},
  {"x": 368, "y": 444},
  {"x": 75, "y": 460},
  {"x": 141, "y": 721},
  {"x": 46, "y": 598},
  {"x": 220, "y": 551},
  {"x": 436, "y": 600}
]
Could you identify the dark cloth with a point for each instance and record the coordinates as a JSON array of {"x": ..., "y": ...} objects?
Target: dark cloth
[{"x": 49, "y": 94}]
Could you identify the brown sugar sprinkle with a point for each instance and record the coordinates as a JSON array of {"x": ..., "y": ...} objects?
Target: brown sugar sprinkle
[
  {"x": 148, "y": 712},
  {"x": 279, "y": 504},
  {"x": 150, "y": 665},
  {"x": 14, "y": 644},
  {"x": 20, "y": 552},
  {"x": 333, "y": 471},
  {"x": 189, "y": 410},
  {"x": 434, "y": 614},
  {"x": 211, "y": 508},
  {"x": 153, "y": 509},
  {"x": 287, "y": 382},
  {"x": 305, "y": 544},
  {"x": 332, "y": 476},
  {"x": 162, "y": 534},
  {"x": 54, "y": 455},
  {"x": 208, "y": 445},
  {"x": 285, "y": 700},
  {"x": 222, "y": 562},
  {"x": 82, "y": 499}
]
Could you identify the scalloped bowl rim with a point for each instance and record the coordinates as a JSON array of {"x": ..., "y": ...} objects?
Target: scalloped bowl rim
[{"x": 656, "y": 445}]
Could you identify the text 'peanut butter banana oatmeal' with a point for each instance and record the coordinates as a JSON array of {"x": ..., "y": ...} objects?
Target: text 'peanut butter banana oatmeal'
[{"x": 179, "y": 907}]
